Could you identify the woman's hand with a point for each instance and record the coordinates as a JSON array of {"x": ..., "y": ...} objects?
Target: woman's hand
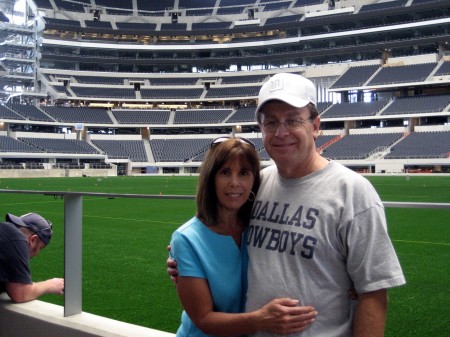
[{"x": 284, "y": 316}]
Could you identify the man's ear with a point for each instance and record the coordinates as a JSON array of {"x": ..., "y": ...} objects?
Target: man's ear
[
  {"x": 33, "y": 239},
  {"x": 316, "y": 127}
]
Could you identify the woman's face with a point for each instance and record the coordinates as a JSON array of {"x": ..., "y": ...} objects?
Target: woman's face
[{"x": 233, "y": 185}]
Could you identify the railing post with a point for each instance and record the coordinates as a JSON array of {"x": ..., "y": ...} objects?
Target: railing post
[{"x": 72, "y": 254}]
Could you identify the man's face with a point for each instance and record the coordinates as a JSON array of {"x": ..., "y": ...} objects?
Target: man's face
[{"x": 289, "y": 136}]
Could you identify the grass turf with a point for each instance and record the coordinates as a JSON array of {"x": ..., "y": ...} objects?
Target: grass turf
[{"x": 124, "y": 247}]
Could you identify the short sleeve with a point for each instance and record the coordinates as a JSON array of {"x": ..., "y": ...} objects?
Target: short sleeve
[
  {"x": 15, "y": 262},
  {"x": 372, "y": 261},
  {"x": 183, "y": 251}
]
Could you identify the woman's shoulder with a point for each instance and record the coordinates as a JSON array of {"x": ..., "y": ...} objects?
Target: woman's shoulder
[{"x": 191, "y": 224}]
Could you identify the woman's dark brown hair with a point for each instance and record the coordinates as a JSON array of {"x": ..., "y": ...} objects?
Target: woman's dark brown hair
[{"x": 231, "y": 149}]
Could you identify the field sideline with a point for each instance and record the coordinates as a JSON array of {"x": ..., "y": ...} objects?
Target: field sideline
[{"x": 124, "y": 247}]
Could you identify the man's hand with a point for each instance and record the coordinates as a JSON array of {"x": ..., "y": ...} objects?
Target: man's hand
[
  {"x": 172, "y": 268},
  {"x": 55, "y": 286}
]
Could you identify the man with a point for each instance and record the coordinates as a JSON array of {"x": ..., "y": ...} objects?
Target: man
[
  {"x": 22, "y": 238},
  {"x": 317, "y": 229}
]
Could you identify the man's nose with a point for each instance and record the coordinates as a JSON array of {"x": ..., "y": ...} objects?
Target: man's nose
[{"x": 282, "y": 129}]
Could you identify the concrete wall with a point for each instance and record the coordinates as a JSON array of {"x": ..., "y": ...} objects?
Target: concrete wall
[
  {"x": 40, "y": 319},
  {"x": 57, "y": 173}
]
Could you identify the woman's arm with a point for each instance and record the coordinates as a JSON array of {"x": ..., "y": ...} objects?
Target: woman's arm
[{"x": 281, "y": 316}]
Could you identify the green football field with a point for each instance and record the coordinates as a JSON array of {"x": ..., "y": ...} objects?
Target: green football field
[{"x": 125, "y": 240}]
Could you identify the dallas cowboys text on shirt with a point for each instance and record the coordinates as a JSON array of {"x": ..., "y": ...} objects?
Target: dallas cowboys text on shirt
[{"x": 294, "y": 235}]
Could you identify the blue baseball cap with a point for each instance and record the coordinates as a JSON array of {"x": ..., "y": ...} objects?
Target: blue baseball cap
[{"x": 36, "y": 223}]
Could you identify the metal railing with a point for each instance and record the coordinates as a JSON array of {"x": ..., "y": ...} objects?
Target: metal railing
[{"x": 73, "y": 223}]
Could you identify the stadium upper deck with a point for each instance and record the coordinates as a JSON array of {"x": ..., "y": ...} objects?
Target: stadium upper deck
[
  {"x": 133, "y": 45},
  {"x": 253, "y": 35},
  {"x": 185, "y": 70},
  {"x": 171, "y": 37}
]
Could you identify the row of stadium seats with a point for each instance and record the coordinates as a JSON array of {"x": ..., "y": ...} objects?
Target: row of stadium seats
[
  {"x": 359, "y": 76},
  {"x": 157, "y": 81},
  {"x": 422, "y": 145},
  {"x": 353, "y": 146},
  {"x": 360, "y": 146},
  {"x": 408, "y": 105},
  {"x": 375, "y": 75},
  {"x": 131, "y": 149}
]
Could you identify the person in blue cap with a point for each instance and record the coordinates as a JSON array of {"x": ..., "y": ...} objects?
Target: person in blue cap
[{"x": 21, "y": 238}]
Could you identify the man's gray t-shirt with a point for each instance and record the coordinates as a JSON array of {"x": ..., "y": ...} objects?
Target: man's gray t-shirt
[{"x": 315, "y": 238}]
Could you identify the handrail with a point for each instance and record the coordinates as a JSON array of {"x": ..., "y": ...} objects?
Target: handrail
[
  {"x": 405, "y": 204},
  {"x": 73, "y": 224},
  {"x": 73, "y": 234},
  {"x": 99, "y": 194}
]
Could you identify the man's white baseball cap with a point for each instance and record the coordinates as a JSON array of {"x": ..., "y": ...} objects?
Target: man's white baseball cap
[{"x": 292, "y": 89}]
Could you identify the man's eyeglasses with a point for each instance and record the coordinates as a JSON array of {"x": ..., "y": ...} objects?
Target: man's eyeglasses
[
  {"x": 272, "y": 126},
  {"x": 224, "y": 138}
]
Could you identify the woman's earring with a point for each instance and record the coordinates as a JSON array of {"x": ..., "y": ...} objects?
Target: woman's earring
[{"x": 252, "y": 196}]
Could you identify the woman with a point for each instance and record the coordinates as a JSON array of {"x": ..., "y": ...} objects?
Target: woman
[{"x": 207, "y": 249}]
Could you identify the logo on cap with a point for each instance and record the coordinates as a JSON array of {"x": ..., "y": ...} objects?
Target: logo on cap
[{"x": 276, "y": 84}]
